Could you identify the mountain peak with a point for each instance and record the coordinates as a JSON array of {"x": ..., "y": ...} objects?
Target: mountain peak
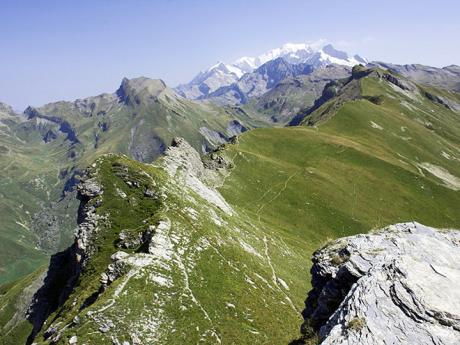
[
  {"x": 139, "y": 84},
  {"x": 288, "y": 51},
  {"x": 226, "y": 68},
  {"x": 330, "y": 50},
  {"x": 6, "y": 109},
  {"x": 316, "y": 53},
  {"x": 360, "y": 59},
  {"x": 136, "y": 87},
  {"x": 295, "y": 53}
]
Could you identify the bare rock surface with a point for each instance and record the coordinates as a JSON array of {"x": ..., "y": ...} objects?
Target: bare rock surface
[
  {"x": 399, "y": 285},
  {"x": 184, "y": 163}
]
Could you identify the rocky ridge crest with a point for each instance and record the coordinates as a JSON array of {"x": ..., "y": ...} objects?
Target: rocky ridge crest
[{"x": 152, "y": 248}]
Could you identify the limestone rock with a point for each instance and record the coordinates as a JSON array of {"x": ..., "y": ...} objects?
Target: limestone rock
[
  {"x": 183, "y": 163},
  {"x": 149, "y": 193},
  {"x": 89, "y": 188},
  {"x": 129, "y": 239},
  {"x": 395, "y": 286}
]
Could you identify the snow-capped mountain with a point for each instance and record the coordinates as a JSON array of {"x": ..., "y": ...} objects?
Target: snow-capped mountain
[
  {"x": 220, "y": 75},
  {"x": 209, "y": 81},
  {"x": 291, "y": 52},
  {"x": 328, "y": 55}
]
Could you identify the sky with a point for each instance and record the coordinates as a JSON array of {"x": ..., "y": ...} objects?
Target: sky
[{"x": 64, "y": 50}]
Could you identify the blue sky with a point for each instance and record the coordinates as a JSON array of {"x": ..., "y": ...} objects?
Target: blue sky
[{"x": 54, "y": 50}]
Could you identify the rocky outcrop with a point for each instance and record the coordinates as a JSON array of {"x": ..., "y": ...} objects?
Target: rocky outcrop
[
  {"x": 65, "y": 267},
  {"x": 398, "y": 285},
  {"x": 140, "y": 90},
  {"x": 399, "y": 82},
  {"x": 88, "y": 192},
  {"x": 184, "y": 163},
  {"x": 449, "y": 104}
]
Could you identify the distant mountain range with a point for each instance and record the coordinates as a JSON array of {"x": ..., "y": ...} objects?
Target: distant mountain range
[
  {"x": 221, "y": 75},
  {"x": 447, "y": 77},
  {"x": 249, "y": 79},
  {"x": 217, "y": 79}
]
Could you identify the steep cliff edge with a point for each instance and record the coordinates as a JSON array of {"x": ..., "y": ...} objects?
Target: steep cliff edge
[{"x": 398, "y": 285}]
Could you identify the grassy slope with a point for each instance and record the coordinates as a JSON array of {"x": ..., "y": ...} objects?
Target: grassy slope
[
  {"x": 14, "y": 300},
  {"x": 293, "y": 95},
  {"x": 30, "y": 168},
  {"x": 312, "y": 185},
  {"x": 219, "y": 288},
  {"x": 292, "y": 189},
  {"x": 28, "y": 171}
]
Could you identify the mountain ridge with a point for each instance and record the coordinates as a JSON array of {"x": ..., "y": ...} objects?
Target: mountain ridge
[
  {"x": 54, "y": 142},
  {"x": 221, "y": 75},
  {"x": 222, "y": 242}
]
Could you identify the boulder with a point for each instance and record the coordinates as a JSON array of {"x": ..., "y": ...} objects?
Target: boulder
[{"x": 398, "y": 285}]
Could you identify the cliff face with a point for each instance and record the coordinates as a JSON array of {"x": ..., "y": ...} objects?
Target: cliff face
[
  {"x": 398, "y": 285},
  {"x": 65, "y": 267}
]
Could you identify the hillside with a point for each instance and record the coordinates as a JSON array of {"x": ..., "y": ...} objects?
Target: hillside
[
  {"x": 219, "y": 249},
  {"x": 43, "y": 151},
  {"x": 445, "y": 77},
  {"x": 293, "y": 95}
]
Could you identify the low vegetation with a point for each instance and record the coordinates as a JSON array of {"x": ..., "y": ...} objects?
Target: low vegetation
[{"x": 245, "y": 275}]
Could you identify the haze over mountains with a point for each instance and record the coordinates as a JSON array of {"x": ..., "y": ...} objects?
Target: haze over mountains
[{"x": 207, "y": 238}]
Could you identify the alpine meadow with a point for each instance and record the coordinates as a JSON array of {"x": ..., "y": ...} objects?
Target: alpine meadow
[{"x": 300, "y": 195}]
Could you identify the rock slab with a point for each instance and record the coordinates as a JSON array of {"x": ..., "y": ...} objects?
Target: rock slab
[{"x": 398, "y": 285}]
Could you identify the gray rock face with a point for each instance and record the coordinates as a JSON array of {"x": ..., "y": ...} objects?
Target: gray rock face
[
  {"x": 259, "y": 81},
  {"x": 6, "y": 110},
  {"x": 139, "y": 90},
  {"x": 89, "y": 188},
  {"x": 292, "y": 95},
  {"x": 184, "y": 163},
  {"x": 447, "y": 77},
  {"x": 403, "y": 84},
  {"x": 443, "y": 101},
  {"x": 395, "y": 286},
  {"x": 65, "y": 267}
]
